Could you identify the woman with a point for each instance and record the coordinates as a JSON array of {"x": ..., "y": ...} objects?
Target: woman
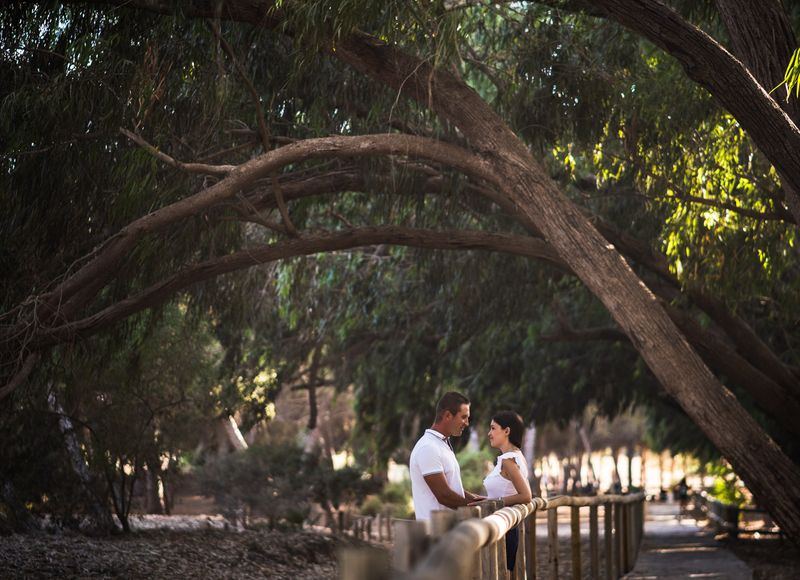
[{"x": 508, "y": 481}]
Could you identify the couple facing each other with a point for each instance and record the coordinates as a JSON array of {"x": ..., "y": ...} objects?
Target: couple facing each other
[{"x": 436, "y": 475}]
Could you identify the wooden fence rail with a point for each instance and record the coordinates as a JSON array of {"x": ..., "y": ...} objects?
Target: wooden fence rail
[{"x": 469, "y": 544}]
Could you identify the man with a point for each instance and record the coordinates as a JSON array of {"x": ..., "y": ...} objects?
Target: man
[{"x": 435, "y": 473}]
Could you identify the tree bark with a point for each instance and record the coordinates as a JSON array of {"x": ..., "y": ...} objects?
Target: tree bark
[{"x": 762, "y": 38}]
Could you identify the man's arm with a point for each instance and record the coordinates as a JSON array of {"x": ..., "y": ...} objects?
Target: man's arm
[{"x": 444, "y": 494}]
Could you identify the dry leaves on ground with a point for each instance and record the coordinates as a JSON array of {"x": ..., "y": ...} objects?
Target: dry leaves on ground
[{"x": 209, "y": 553}]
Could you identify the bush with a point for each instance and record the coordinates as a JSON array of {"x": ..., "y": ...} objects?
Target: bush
[
  {"x": 279, "y": 482},
  {"x": 475, "y": 466},
  {"x": 394, "y": 498},
  {"x": 727, "y": 487},
  {"x": 262, "y": 480}
]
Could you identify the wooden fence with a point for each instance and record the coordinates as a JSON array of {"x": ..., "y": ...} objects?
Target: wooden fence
[
  {"x": 728, "y": 517},
  {"x": 469, "y": 544}
]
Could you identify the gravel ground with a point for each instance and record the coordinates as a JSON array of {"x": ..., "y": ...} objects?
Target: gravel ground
[{"x": 203, "y": 553}]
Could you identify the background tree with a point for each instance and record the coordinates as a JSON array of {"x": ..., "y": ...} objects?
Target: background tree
[{"x": 443, "y": 125}]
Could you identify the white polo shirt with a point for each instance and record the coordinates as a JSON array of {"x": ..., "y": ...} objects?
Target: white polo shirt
[{"x": 430, "y": 455}]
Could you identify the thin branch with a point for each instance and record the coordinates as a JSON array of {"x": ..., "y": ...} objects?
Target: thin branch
[
  {"x": 276, "y": 188},
  {"x": 301, "y": 246},
  {"x": 172, "y": 162},
  {"x": 227, "y": 150},
  {"x": 20, "y": 376},
  {"x": 254, "y": 215},
  {"x": 263, "y": 130},
  {"x": 567, "y": 332}
]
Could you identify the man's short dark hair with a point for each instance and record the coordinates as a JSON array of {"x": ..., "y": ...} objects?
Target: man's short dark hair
[{"x": 450, "y": 401}]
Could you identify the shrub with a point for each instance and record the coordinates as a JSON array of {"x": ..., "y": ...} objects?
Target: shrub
[
  {"x": 263, "y": 480},
  {"x": 394, "y": 498},
  {"x": 475, "y": 465},
  {"x": 279, "y": 482}
]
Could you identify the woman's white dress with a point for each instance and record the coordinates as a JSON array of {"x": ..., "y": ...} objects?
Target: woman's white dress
[{"x": 498, "y": 486}]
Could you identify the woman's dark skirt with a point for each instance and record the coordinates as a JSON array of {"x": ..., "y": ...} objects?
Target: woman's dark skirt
[{"x": 512, "y": 542}]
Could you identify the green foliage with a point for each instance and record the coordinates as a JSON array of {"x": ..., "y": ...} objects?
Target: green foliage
[
  {"x": 394, "y": 498},
  {"x": 727, "y": 487},
  {"x": 33, "y": 461},
  {"x": 475, "y": 465},
  {"x": 338, "y": 487},
  {"x": 792, "y": 77},
  {"x": 266, "y": 480},
  {"x": 278, "y": 481}
]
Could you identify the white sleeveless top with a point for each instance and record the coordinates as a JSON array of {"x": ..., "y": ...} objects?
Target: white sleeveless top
[{"x": 498, "y": 486}]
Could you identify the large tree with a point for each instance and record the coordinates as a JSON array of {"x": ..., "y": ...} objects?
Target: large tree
[{"x": 432, "y": 122}]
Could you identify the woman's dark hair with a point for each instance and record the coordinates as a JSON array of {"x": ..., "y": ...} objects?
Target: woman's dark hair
[{"x": 514, "y": 422}]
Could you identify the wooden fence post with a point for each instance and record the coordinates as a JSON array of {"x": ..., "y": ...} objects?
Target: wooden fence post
[
  {"x": 608, "y": 539},
  {"x": 466, "y": 513},
  {"x": 520, "y": 567},
  {"x": 618, "y": 539},
  {"x": 500, "y": 549},
  {"x": 631, "y": 535},
  {"x": 594, "y": 550},
  {"x": 552, "y": 541},
  {"x": 489, "y": 564},
  {"x": 624, "y": 536},
  {"x": 364, "y": 564},
  {"x": 575, "y": 540},
  {"x": 639, "y": 524},
  {"x": 530, "y": 545},
  {"x": 411, "y": 543},
  {"x": 442, "y": 522}
]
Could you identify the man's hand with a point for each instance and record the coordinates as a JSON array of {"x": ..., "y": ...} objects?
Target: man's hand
[{"x": 474, "y": 498}]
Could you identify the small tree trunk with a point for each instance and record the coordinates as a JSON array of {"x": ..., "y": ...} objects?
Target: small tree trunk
[
  {"x": 152, "y": 475},
  {"x": 587, "y": 449},
  {"x": 21, "y": 519},
  {"x": 629, "y": 451},
  {"x": 99, "y": 512},
  {"x": 617, "y": 477}
]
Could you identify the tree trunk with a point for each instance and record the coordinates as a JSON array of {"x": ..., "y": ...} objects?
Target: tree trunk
[
  {"x": 98, "y": 510},
  {"x": 152, "y": 474},
  {"x": 591, "y": 475},
  {"x": 763, "y": 39},
  {"x": 616, "y": 484},
  {"x": 629, "y": 451},
  {"x": 21, "y": 519}
]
